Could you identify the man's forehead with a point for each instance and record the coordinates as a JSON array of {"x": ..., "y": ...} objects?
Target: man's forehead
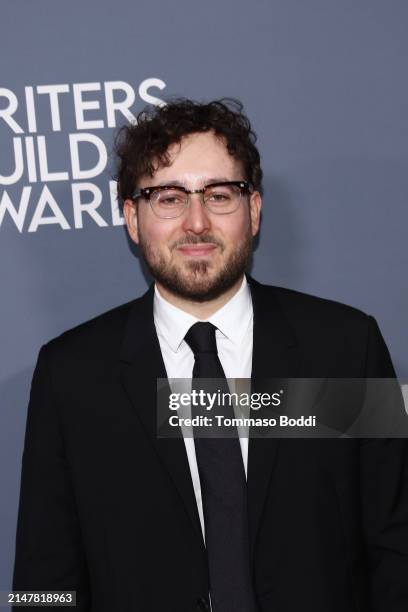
[
  {"x": 195, "y": 160},
  {"x": 190, "y": 179}
]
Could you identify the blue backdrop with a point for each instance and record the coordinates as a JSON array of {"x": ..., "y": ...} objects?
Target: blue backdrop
[{"x": 325, "y": 85}]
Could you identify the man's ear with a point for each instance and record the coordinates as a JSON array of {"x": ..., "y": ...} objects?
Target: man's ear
[
  {"x": 255, "y": 205},
  {"x": 130, "y": 214}
]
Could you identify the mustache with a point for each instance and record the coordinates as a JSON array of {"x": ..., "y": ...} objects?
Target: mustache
[{"x": 197, "y": 240}]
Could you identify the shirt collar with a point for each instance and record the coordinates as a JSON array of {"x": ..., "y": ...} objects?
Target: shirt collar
[{"x": 232, "y": 319}]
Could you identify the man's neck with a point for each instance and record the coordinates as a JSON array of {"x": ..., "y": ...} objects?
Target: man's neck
[{"x": 201, "y": 310}]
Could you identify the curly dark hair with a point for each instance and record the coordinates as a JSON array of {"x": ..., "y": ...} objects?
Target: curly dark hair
[{"x": 142, "y": 147}]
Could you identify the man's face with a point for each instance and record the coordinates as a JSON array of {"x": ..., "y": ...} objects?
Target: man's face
[{"x": 199, "y": 255}]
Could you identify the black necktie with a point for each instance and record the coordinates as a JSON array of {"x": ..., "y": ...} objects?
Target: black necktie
[{"x": 223, "y": 490}]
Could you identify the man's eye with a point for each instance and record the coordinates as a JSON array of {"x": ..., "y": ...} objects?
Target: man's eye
[
  {"x": 218, "y": 196},
  {"x": 171, "y": 198}
]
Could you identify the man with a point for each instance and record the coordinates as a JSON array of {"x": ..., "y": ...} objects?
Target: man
[{"x": 135, "y": 522}]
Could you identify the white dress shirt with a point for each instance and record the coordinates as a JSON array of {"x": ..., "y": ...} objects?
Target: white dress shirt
[{"x": 234, "y": 334}]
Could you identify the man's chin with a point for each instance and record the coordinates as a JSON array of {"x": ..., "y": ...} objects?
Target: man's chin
[
  {"x": 198, "y": 284},
  {"x": 200, "y": 279}
]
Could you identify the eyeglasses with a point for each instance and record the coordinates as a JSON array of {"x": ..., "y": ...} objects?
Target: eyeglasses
[{"x": 170, "y": 201}]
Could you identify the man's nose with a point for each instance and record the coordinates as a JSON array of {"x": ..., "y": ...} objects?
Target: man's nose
[{"x": 196, "y": 218}]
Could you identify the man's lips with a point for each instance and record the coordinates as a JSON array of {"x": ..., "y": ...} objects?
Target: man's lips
[{"x": 197, "y": 249}]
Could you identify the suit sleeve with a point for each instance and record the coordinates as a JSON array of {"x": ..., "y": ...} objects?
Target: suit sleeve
[
  {"x": 384, "y": 487},
  {"x": 49, "y": 551}
]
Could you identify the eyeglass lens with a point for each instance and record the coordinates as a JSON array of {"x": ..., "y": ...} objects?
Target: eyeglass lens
[{"x": 220, "y": 199}]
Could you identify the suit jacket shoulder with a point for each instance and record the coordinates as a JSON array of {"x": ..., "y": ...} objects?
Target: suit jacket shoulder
[
  {"x": 96, "y": 336},
  {"x": 327, "y": 332},
  {"x": 312, "y": 316}
]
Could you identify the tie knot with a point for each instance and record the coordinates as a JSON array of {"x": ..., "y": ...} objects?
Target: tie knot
[{"x": 201, "y": 338}]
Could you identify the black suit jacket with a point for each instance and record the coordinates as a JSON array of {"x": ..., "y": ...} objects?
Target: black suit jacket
[{"x": 108, "y": 509}]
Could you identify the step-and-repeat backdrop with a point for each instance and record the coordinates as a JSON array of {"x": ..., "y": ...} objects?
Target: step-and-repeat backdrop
[{"x": 325, "y": 85}]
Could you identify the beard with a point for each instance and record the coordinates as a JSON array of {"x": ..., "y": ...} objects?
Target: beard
[{"x": 196, "y": 279}]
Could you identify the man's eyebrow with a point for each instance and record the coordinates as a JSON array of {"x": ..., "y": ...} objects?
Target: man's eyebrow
[{"x": 209, "y": 181}]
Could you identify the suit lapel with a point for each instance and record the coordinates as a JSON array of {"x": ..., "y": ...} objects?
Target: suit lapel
[
  {"x": 275, "y": 355},
  {"x": 142, "y": 364}
]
